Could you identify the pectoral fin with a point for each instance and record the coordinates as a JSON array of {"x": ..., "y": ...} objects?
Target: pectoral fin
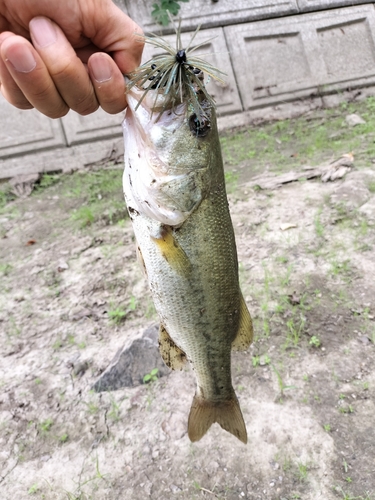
[
  {"x": 244, "y": 335},
  {"x": 172, "y": 251},
  {"x": 173, "y": 356}
]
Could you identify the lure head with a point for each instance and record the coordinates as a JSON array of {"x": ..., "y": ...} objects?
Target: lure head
[{"x": 177, "y": 74}]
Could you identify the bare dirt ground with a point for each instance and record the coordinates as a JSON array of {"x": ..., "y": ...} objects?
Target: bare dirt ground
[{"x": 72, "y": 294}]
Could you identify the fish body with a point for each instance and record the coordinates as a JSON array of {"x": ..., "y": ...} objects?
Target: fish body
[{"x": 175, "y": 192}]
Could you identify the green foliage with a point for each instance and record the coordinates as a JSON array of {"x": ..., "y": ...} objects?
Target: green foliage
[
  {"x": 84, "y": 215},
  {"x": 118, "y": 314},
  {"x": 314, "y": 341},
  {"x": 280, "y": 381},
  {"x": 255, "y": 360},
  {"x": 5, "y": 269},
  {"x": 47, "y": 181},
  {"x": 231, "y": 181},
  {"x": 33, "y": 489},
  {"x": 161, "y": 9},
  {"x": 46, "y": 425},
  {"x": 151, "y": 377},
  {"x": 63, "y": 438},
  {"x": 6, "y": 195}
]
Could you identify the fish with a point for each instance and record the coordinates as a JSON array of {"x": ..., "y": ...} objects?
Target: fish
[{"x": 174, "y": 188}]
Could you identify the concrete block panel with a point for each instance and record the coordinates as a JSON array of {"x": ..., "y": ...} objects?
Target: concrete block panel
[
  {"x": 98, "y": 125},
  {"x": 65, "y": 159},
  {"x": 209, "y": 14},
  {"x": 285, "y": 59},
  {"x": 25, "y": 131},
  {"x": 226, "y": 96},
  {"x": 314, "y": 5}
]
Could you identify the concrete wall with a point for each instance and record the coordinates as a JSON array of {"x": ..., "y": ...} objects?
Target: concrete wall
[{"x": 282, "y": 57}]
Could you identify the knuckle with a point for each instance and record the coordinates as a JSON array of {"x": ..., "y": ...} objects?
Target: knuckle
[
  {"x": 57, "y": 113},
  {"x": 16, "y": 99},
  {"x": 88, "y": 110},
  {"x": 85, "y": 106}
]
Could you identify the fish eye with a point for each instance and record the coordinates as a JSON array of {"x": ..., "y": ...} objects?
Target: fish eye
[{"x": 200, "y": 128}]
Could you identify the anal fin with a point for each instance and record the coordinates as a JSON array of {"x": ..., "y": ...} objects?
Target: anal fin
[
  {"x": 204, "y": 413},
  {"x": 172, "y": 355},
  {"x": 245, "y": 333}
]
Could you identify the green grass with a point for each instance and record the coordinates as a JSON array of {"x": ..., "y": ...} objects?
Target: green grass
[{"x": 311, "y": 140}]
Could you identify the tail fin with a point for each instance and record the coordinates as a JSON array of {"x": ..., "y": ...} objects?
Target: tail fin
[{"x": 204, "y": 413}]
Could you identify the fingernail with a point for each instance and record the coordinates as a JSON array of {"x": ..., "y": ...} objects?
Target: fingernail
[
  {"x": 43, "y": 31},
  {"x": 21, "y": 58},
  {"x": 101, "y": 70}
]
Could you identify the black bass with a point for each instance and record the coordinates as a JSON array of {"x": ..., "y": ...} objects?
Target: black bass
[{"x": 175, "y": 192}]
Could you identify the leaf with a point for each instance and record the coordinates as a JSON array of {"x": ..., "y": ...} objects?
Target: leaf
[{"x": 160, "y": 10}]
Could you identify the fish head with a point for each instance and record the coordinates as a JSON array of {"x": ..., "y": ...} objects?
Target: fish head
[{"x": 168, "y": 156}]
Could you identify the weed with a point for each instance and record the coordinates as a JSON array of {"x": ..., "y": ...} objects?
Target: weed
[
  {"x": 45, "y": 426},
  {"x": 340, "y": 268},
  {"x": 231, "y": 181},
  {"x": 314, "y": 341},
  {"x": 84, "y": 216},
  {"x": 47, "y": 181},
  {"x": 327, "y": 427},
  {"x": 63, "y": 438},
  {"x": 162, "y": 8},
  {"x": 255, "y": 360},
  {"x": 33, "y": 489},
  {"x": 5, "y": 269},
  {"x": 265, "y": 360},
  {"x": 152, "y": 376},
  {"x": 114, "y": 412},
  {"x": 13, "y": 330},
  {"x": 295, "y": 329},
  {"x": 119, "y": 314},
  {"x": 92, "y": 407},
  {"x": 302, "y": 471},
  {"x": 280, "y": 381},
  {"x": 346, "y": 409},
  {"x": 349, "y": 496},
  {"x": 57, "y": 344}
]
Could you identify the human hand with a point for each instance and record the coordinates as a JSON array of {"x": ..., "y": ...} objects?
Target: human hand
[{"x": 54, "y": 56}]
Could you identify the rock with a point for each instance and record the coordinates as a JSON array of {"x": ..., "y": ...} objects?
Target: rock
[
  {"x": 132, "y": 363},
  {"x": 80, "y": 368},
  {"x": 22, "y": 185},
  {"x": 352, "y": 193},
  {"x": 62, "y": 266},
  {"x": 368, "y": 208},
  {"x": 174, "y": 488},
  {"x": 353, "y": 120}
]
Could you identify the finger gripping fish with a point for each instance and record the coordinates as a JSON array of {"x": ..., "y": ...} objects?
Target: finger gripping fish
[{"x": 175, "y": 192}]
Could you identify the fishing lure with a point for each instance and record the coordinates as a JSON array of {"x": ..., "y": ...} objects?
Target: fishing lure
[{"x": 177, "y": 74}]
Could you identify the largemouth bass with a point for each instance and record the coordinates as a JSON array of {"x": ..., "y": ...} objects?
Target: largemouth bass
[{"x": 175, "y": 192}]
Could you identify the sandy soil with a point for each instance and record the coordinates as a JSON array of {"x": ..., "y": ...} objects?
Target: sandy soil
[{"x": 306, "y": 386}]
